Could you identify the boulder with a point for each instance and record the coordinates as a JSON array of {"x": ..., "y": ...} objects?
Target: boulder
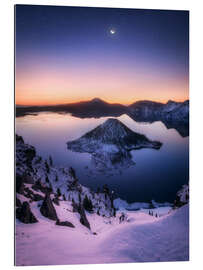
[
  {"x": 24, "y": 214},
  {"x": 47, "y": 209},
  {"x": 64, "y": 223}
]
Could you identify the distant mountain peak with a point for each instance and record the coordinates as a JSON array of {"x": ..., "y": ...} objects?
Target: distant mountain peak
[
  {"x": 112, "y": 122},
  {"x": 98, "y": 100},
  {"x": 172, "y": 102}
]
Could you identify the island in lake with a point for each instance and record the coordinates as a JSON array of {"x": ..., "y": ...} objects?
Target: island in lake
[{"x": 110, "y": 144}]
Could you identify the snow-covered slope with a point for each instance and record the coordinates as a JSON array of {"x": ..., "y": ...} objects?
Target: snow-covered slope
[
  {"x": 164, "y": 240},
  {"x": 140, "y": 238}
]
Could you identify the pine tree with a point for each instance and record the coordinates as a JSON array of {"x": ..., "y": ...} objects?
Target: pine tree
[
  {"x": 72, "y": 172},
  {"x": 50, "y": 161},
  {"x": 58, "y": 192},
  {"x": 51, "y": 188},
  {"x": 87, "y": 204},
  {"x": 47, "y": 179},
  {"x": 105, "y": 189},
  {"x": 79, "y": 197},
  {"x": 47, "y": 167}
]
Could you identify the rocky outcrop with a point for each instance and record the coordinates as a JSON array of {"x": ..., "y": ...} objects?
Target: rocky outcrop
[
  {"x": 24, "y": 214},
  {"x": 182, "y": 197},
  {"x": 47, "y": 209}
]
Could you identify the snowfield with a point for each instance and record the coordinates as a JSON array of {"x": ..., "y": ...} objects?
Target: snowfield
[{"x": 140, "y": 238}]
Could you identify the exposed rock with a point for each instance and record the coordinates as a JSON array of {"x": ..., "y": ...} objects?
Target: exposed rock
[
  {"x": 182, "y": 196},
  {"x": 24, "y": 214},
  {"x": 64, "y": 223},
  {"x": 47, "y": 209}
]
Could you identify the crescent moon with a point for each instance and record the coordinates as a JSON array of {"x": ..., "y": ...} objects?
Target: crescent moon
[{"x": 112, "y": 31}]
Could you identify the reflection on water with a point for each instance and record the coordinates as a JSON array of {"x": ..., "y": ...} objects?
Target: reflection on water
[{"x": 156, "y": 174}]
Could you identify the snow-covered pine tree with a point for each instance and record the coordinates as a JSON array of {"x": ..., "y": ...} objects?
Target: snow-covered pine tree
[{"x": 87, "y": 204}]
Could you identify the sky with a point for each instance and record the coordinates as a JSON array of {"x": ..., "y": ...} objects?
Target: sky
[{"x": 69, "y": 54}]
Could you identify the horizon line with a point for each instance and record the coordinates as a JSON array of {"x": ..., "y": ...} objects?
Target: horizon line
[{"x": 80, "y": 101}]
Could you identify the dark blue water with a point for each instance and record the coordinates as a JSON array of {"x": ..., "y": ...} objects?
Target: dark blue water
[{"x": 157, "y": 174}]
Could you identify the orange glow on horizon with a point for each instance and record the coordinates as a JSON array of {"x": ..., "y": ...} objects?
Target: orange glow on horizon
[
  {"x": 47, "y": 102},
  {"x": 47, "y": 86}
]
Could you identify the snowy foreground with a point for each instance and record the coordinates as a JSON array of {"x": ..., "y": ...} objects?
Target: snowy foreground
[{"x": 140, "y": 238}]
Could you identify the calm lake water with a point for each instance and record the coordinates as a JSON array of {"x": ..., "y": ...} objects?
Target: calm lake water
[{"x": 157, "y": 174}]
